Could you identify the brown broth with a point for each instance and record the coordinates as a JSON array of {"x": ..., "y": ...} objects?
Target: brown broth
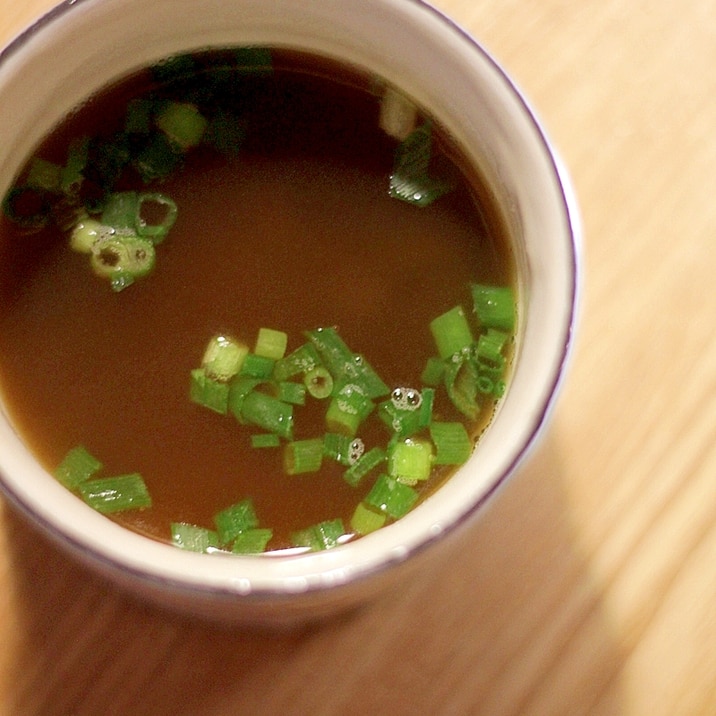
[{"x": 296, "y": 232}]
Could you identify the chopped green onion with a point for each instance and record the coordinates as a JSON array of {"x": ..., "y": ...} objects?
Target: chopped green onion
[
  {"x": 193, "y": 538},
  {"x": 27, "y": 207},
  {"x": 404, "y": 418},
  {"x": 367, "y": 378},
  {"x": 156, "y": 229},
  {"x": 433, "y": 372},
  {"x": 451, "y": 332},
  {"x": 271, "y": 344},
  {"x": 494, "y": 306},
  {"x": 77, "y": 467},
  {"x": 71, "y": 177},
  {"x": 253, "y": 59},
  {"x": 342, "y": 448},
  {"x": 410, "y": 180},
  {"x": 174, "y": 68},
  {"x": 485, "y": 384},
  {"x": 121, "y": 211},
  {"x": 239, "y": 388},
  {"x": 290, "y": 392},
  {"x": 122, "y": 259},
  {"x": 365, "y": 464},
  {"x": 126, "y": 212},
  {"x": 366, "y": 520},
  {"x": 461, "y": 385},
  {"x": 489, "y": 349},
  {"x": 343, "y": 364},
  {"x": 410, "y": 460},
  {"x": 398, "y": 115},
  {"x": 318, "y": 382},
  {"x": 269, "y": 413},
  {"x": 323, "y": 535},
  {"x": 182, "y": 123},
  {"x": 157, "y": 160},
  {"x": 255, "y": 366},
  {"x": 226, "y": 133},
  {"x": 138, "y": 118},
  {"x": 452, "y": 443},
  {"x": 348, "y": 408},
  {"x": 303, "y": 360},
  {"x": 116, "y": 494},
  {"x": 391, "y": 497},
  {"x": 252, "y": 541},
  {"x": 44, "y": 175},
  {"x": 265, "y": 440},
  {"x": 235, "y": 519},
  {"x": 302, "y": 456},
  {"x": 209, "y": 393},
  {"x": 86, "y": 233},
  {"x": 223, "y": 358}
]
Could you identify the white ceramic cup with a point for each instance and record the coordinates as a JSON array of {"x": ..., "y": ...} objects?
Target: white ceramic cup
[{"x": 82, "y": 45}]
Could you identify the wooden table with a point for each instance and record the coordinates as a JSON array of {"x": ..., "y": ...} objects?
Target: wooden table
[{"x": 589, "y": 587}]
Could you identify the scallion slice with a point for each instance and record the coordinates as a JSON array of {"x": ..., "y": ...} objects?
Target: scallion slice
[
  {"x": 451, "y": 332},
  {"x": 86, "y": 233},
  {"x": 122, "y": 259},
  {"x": 290, "y": 392},
  {"x": 255, "y": 366},
  {"x": 342, "y": 448},
  {"x": 77, "y": 467},
  {"x": 138, "y": 117},
  {"x": 366, "y": 520},
  {"x": 345, "y": 365},
  {"x": 193, "y": 537},
  {"x": 182, "y": 123},
  {"x": 223, "y": 357},
  {"x": 410, "y": 180},
  {"x": 252, "y": 541},
  {"x": 375, "y": 457},
  {"x": 116, "y": 494},
  {"x": 235, "y": 519},
  {"x": 318, "y": 382},
  {"x": 303, "y": 360},
  {"x": 156, "y": 214},
  {"x": 271, "y": 343},
  {"x": 348, "y": 408},
  {"x": 452, "y": 443},
  {"x": 157, "y": 160},
  {"x": 494, "y": 306},
  {"x": 71, "y": 177},
  {"x": 405, "y": 419},
  {"x": 391, "y": 497},
  {"x": 398, "y": 115},
  {"x": 27, "y": 207},
  {"x": 253, "y": 59},
  {"x": 265, "y": 440},
  {"x": 266, "y": 412},
  {"x": 303, "y": 456},
  {"x": 461, "y": 384},
  {"x": 44, "y": 175},
  {"x": 410, "y": 460},
  {"x": 324, "y": 535},
  {"x": 209, "y": 393},
  {"x": 433, "y": 372}
]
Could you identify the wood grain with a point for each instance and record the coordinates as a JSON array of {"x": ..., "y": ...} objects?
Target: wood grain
[{"x": 589, "y": 587}]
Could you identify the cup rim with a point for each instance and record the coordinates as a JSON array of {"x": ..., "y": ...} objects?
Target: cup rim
[{"x": 138, "y": 557}]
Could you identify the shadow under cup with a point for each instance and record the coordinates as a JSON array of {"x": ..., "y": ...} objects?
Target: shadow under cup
[{"x": 84, "y": 45}]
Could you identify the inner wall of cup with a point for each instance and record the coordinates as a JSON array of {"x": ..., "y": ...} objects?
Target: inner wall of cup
[{"x": 51, "y": 70}]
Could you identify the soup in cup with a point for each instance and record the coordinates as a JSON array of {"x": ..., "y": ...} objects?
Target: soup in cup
[{"x": 289, "y": 293}]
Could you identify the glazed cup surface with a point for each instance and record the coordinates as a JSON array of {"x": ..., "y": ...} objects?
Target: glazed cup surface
[{"x": 47, "y": 71}]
